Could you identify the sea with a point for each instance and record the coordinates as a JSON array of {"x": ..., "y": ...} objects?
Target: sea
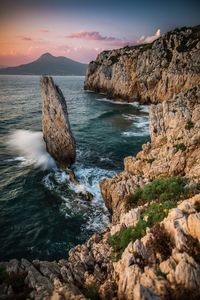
[{"x": 41, "y": 213}]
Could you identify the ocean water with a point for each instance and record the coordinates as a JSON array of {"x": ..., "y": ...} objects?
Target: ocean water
[{"x": 41, "y": 215}]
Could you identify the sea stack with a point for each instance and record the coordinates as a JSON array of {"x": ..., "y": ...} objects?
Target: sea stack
[{"x": 57, "y": 133}]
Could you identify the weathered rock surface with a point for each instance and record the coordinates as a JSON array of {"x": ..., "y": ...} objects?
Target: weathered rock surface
[
  {"x": 149, "y": 73},
  {"x": 57, "y": 133},
  {"x": 174, "y": 150},
  {"x": 142, "y": 272},
  {"x": 89, "y": 271},
  {"x": 174, "y": 278}
]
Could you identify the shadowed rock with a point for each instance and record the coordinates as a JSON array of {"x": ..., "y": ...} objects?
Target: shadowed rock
[
  {"x": 57, "y": 134},
  {"x": 151, "y": 72}
]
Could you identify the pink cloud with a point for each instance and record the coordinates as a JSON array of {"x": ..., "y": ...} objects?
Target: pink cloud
[
  {"x": 113, "y": 41},
  {"x": 90, "y": 35},
  {"x": 26, "y": 38},
  {"x": 83, "y": 52},
  {"x": 43, "y": 30},
  {"x": 80, "y": 53}
]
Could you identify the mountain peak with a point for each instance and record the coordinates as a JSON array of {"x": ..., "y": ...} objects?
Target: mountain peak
[
  {"x": 47, "y": 55},
  {"x": 48, "y": 64}
]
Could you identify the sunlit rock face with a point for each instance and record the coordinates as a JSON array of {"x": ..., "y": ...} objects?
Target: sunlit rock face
[
  {"x": 57, "y": 134},
  {"x": 151, "y": 72},
  {"x": 174, "y": 150}
]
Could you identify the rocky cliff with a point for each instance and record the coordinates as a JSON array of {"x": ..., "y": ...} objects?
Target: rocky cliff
[
  {"x": 151, "y": 249},
  {"x": 56, "y": 129},
  {"x": 174, "y": 150},
  {"x": 150, "y": 72}
]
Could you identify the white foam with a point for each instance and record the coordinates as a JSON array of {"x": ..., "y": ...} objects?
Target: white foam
[
  {"x": 114, "y": 102},
  {"x": 31, "y": 146},
  {"x": 130, "y": 117},
  {"x": 19, "y": 158},
  {"x": 132, "y": 133},
  {"x": 94, "y": 212},
  {"x": 137, "y": 105}
]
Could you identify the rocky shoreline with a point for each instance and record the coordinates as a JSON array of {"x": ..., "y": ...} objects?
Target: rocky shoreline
[
  {"x": 148, "y": 73},
  {"x": 151, "y": 249}
]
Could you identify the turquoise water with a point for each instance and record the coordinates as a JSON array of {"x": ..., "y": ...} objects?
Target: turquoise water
[{"x": 41, "y": 215}]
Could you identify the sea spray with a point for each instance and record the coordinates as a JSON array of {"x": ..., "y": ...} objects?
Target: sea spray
[
  {"x": 30, "y": 145},
  {"x": 35, "y": 203}
]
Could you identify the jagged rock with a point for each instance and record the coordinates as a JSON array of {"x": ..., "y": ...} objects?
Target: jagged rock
[
  {"x": 187, "y": 272},
  {"x": 176, "y": 225},
  {"x": 134, "y": 276},
  {"x": 172, "y": 152},
  {"x": 128, "y": 219},
  {"x": 143, "y": 293},
  {"x": 107, "y": 290},
  {"x": 194, "y": 225},
  {"x": 57, "y": 134},
  {"x": 85, "y": 195},
  {"x": 148, "y": 73}
]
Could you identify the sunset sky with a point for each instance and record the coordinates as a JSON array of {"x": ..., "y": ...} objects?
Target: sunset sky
[{"x": 81, "y": 29}]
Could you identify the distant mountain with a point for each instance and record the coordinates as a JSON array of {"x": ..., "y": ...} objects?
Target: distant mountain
[
  {"x": 48, "y": 64},
  {"x": 1, "y": 67}
]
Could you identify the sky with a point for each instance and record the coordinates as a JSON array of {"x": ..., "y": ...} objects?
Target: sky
[{"x": 80, "y": 29}]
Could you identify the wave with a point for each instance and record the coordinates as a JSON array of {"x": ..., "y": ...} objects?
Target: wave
[
  {"x": 31, "y": 148},
  {"x": 137, "y": 105},
  {"x": 114, "y": 102},
  {"x": 94, "y": 212},
  {"x": 132, "y": 133},
  {"x": 140, "y": 127}
]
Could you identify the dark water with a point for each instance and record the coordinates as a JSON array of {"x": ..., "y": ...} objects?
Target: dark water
[{"x": 41, "y": 215}]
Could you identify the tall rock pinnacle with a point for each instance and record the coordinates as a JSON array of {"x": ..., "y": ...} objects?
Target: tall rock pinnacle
[{"x": 57, "y": 134}]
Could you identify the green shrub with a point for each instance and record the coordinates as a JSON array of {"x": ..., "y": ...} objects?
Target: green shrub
[
  {"x": 156, "y": 212},
  {"x": 150, "y": 160},
  {"x": 189, "y": 125},
  {"x": 164, "y": 189},
  {"x": 114, "y": 59},
  {"x": 151, "y": 215},
  {"x": 91, "y": 292},
  {"x": 120, "y": 240},
  {"x": 180, "y": 146}
]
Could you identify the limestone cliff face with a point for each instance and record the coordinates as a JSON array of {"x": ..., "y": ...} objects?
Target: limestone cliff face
[
  {"x": 174, "y": 150},
  {"x": 57, "y": 133},
  {"x": 90, "y": 273},
  {"x": 163, "y": 261},
  {"x": 148, "y": 73}
]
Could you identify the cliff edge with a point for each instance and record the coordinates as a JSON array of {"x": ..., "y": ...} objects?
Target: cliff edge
[
  {"x": 151, "y": 250},
  {"x": 149, "y": 72}
]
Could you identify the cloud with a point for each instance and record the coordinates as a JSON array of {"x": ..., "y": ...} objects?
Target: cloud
[
  {"x": 90, "y": 36},
  {"x": 43, "y": 30},
  {"x": 25, "y": 38},
  {"x": 112, "y": 41},
  {"x": 79, "y": 53},
  {"x": 149, "y": 39}
]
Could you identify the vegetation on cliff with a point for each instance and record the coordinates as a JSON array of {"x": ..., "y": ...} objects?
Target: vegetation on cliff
[
  {"x": 165, "y": 193},
  {"x": 154, "y": 237}
]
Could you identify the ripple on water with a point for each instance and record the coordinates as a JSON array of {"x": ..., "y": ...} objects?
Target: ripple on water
[{"x": 41, "y": 214}]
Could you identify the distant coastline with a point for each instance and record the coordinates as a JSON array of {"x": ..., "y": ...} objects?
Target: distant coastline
[{"x": 48, "y": 64}]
